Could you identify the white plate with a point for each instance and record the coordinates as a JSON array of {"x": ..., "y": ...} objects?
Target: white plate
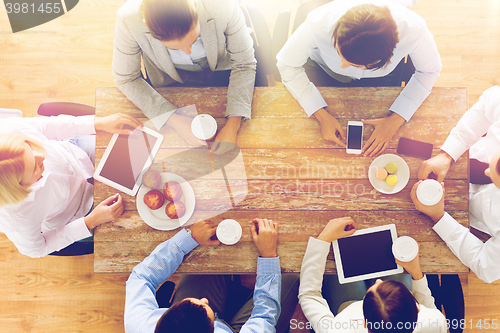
[
  {"x": 158, "y": 219},
  {"x": 403, "y": 173}
]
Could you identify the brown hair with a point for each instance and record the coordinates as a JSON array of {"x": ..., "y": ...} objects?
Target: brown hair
[
  {"x": 390, "y": 307},
  {"x": 169, "y": 20},
  {"x": 366, "y": 35},
  {"x": 12, "y": 167}
]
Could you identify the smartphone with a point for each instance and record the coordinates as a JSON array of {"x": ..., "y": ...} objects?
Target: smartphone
[
  {"x": 354, "y": 137},
  {"x": 415, "y": 148}
]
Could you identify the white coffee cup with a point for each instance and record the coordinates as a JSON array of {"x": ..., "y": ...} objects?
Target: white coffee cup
[
  {"x": 405, "y": 248},
  {"x": 429, "y": 192},
  {"x": 204, "y": 127},
  {"x": 229, "y": 232}
]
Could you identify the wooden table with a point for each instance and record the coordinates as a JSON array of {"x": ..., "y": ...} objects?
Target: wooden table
[{"x": 295, "y": 178}]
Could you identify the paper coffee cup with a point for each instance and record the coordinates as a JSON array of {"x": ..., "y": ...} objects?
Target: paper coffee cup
[
  {"x": 204, "y": 127},
  {"x": 229, "y": 232},
  {"x": 405, "y": 248},
  {"x": 429, "y": 192}
]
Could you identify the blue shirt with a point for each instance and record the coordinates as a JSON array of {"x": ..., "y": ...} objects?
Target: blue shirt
[{"x": 142, "y": 311}]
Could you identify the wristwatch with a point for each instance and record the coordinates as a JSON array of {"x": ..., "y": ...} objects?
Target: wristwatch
[{"x": 189, "y": 231}]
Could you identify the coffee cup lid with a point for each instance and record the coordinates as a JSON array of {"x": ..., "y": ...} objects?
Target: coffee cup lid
[
  {"x": 429, "y": 192},
  {"x": 204, "y": 126},
  {"x": 405, "y": 248},
  {"x": 229, "y": 232}
]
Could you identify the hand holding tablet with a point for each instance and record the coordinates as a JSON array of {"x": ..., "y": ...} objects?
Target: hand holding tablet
[{"x": 361, "y": 254}]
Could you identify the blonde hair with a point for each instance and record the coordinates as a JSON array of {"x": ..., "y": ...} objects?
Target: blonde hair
[
  {"x": 12, "y": 167},
  {"x": 169, "y": 20}
]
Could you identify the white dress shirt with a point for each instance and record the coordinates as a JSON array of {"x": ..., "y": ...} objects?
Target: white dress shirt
[
  {"x": 351, "y": 319},
  {"x": 313, "y": 39},
  {"x": 51, "y": 218},
  {"x": 482, "y": 258}
]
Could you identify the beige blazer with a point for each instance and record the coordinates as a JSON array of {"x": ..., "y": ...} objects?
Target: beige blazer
[{"x": 227, "y": 42}]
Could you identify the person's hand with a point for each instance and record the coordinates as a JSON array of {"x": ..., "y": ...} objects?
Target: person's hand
[
  {"x": 385, "y": 128},
  {"x": 413, "y": 267},
  {"x": 439, "y": 165},
  {"x": 113, "y": 123},
  {"x": 265, "y": 237},
  {"x": 182, "y": 125},
  {"x": 203, "y": 231},
  {"x": 226, "y": 139},
  {"x": 338, "y": 228},
  {"x": 108, "y": 210},
  {"x": 435, "y": 212},
  {"x": 330, "y": 127}
]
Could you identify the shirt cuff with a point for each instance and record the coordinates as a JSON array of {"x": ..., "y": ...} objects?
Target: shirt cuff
[
  {"x": 445, "y": 226},
  {"x": 184, "y": 241},
  {"x": 419, "y": 284},
  {"x": 320, "y": 242},
  {"x": 85, "y": 124},
  {"x": 454, "y": 148},
  {"x": 310, "y": 107},
  {"x": 267, "y": 266},
  {"x": 78, "y": 229},
  {"x": 404, "y": 107}
]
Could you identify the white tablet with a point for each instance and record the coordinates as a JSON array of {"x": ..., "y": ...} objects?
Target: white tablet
[
  {"x": 127, "y": 157},
  {"x": 366, "y": 254}
]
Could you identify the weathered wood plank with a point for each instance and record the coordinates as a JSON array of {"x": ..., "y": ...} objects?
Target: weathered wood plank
[
  {"x": 242, "y": 258},
  {"x": 277, "y": 102},
  {"x": 301, "y": 188},
  {"x": 297, "y": 194},
  {"x": 291, "y": 164},
  {"x": 294, "y": 226},
  {"x": 305, "y": 133}
]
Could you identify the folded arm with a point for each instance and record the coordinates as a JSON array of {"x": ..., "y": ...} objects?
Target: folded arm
[
  {"x": 32, "y": 242},
  {"x": 481, "y": 258},
  {"x": 474, "y": 123},
  {"x": 427, "y": 62},
  {"x": 145, "y": 278},
  {"x": 291, "y": 60},
  {"x": 128, "y": 78},
  {"x": 239, "y": 45},
  {"x": 266, "y": 297},
  {"x": 313, "y": 304}
]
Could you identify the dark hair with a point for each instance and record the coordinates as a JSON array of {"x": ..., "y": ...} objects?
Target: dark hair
[
  {"x": 185, "y": 317},
  {"x": 497, "y": 167},
  {"x": 366, "y": 35},
  {"x": 390, "y": 307},
  {"x": 169, "y": 19}
]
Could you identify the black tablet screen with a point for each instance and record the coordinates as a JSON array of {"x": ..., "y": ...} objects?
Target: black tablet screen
[
  {"x": 367, "y": 253},
  {"x": 128, "y": 157}
]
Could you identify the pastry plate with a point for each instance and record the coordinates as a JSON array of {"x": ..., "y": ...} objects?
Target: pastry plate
[
  {"x": 403, "y": 173},
  {"x": 157, "y": 218}
]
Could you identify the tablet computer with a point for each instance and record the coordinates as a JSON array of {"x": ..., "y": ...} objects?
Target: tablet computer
[
  {"x": 366, "y": 254},
  {"x": 127, "y": 157}
]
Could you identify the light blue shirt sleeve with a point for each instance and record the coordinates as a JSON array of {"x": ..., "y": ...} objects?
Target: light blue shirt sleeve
[
  {"x": 141, "y": 309},
  {"x": 266, "y": 297}
]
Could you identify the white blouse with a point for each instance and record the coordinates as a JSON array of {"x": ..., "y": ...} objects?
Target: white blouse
[{"x": 51, "y": 218}]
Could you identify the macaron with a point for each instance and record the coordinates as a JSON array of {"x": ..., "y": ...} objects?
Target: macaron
[
  {"x": 381, "y": 174},
  {"x": 391, "y": 168},
  {"x": 391, "y": 180}
]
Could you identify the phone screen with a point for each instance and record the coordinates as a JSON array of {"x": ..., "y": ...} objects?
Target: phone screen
[
  {"x": 355, "y": 137},
  {"x": 414, "y": 148}
]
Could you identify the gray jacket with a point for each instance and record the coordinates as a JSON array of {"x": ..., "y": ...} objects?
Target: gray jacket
[{"x": 227, "y": 42}]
